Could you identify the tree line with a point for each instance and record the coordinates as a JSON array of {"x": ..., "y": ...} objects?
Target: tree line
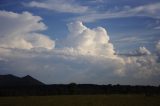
[{"x": 77, "y": 89}]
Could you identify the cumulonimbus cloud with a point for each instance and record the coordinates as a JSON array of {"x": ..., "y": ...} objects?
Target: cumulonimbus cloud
[
  {"x": 89, "y": 41},
  {"x": 86, "y": 56}
]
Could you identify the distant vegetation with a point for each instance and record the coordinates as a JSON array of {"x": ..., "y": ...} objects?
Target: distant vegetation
[{"x": 77, "y": 89}]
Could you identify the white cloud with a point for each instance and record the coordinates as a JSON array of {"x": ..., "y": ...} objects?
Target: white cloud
[
  {"x": 89, "y": 41},
  {"x": 150, "y": 10},
  {"x": 145, "y": 66},
  {"x": 143, "y": 51},
  {"x": 20, "y": 31},
  {"x": 64, "y": 6}
]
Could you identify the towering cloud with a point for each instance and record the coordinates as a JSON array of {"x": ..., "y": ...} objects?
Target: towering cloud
[{"x": 89, "y": 41}]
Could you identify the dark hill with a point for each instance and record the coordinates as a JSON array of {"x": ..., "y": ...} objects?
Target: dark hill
[
  {"x": 11, "y": 80},
  {"x": 30, "y": 81}
]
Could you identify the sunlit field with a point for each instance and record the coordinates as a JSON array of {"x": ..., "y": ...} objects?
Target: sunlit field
[{"x": 82, "y": 100}]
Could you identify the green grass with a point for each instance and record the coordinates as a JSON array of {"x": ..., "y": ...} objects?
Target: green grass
[{"x": 82, "y": 100}]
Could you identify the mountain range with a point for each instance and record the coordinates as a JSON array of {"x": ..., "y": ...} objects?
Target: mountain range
[
  {"x": 11, "y": 80},
  {"x": 11, "y": 85}
]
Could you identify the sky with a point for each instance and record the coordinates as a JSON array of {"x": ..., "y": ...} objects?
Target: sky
[{"x": 81, "y": 41}]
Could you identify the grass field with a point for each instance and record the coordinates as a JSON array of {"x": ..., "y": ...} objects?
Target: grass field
[{"x": 82, "y": 100}]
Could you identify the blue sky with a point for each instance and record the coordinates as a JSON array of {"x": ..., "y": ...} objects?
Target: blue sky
[
  {"x": 137, "y": 27},
  {"x": 80, "y": 38}
]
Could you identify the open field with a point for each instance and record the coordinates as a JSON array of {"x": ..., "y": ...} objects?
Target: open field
[{"x": 82, "y": 100}]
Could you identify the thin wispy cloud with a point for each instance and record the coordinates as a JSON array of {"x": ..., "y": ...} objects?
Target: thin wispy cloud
[
  {"x": 132, "y": 39},
  {"x": 64, "y": 6},
  {"x": 158, "y": 27},
  {"x": 88, "y": 13},
  {"x": 149, "y": 10}
]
